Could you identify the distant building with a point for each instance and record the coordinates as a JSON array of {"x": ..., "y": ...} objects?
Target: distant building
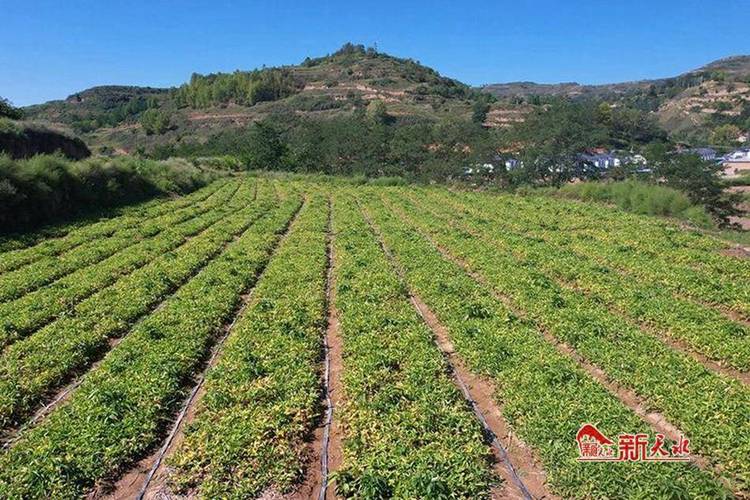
[
  {"x": 636, "y": 159},
  {"x": 601, "y": 161},
  {"x": 486, "y": 169},
  {"x": 705, "y": 154},
  {"x": 512, "y": 164}
]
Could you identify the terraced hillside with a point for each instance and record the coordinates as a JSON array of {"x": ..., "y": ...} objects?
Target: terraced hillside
[
  {"x": 276, "y": 338},
  {"x": 111, "y": 118}
]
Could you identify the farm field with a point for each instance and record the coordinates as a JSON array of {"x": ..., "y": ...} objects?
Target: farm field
[{"x": 272, "y": 337}]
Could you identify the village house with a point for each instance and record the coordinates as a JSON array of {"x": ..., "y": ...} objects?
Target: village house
[
  {"x": 705, "y": 154},
  {"x": 602, "y": 161}
]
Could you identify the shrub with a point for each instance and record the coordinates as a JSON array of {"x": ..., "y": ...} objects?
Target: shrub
[
  {"x": 388, "y": 181},
  {"x": 48, "y": 187},
  {"x": 640, "y": 198},
  {"x": 226, "y": 163}
]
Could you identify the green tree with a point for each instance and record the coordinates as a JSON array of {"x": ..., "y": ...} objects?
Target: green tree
[
  {"x": 155, "y": 121},
  {"x": 725, "y": 135},
  {"x": 479, "y": 110},
  {"x": 553, "y": 139},
  {"x": 377, "y": 112},
  {"x": 266, "y": 148},
  {"x": 7, "y": 110},
  {"x": 702, "y": 183}
]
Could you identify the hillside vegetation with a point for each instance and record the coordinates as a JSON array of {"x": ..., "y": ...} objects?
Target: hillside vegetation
[
  {"x": 139, "y": 119},
  {"x": 21, "y": 139},
  {"x": 690, "y": 106},
  {"x": 358, "y": 111},
  {"x": 709, "y": 105},
  {"x": 47, "y": 188}
]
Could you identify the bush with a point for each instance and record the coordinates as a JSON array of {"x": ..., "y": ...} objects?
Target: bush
[
  {"x": 227, "y": 163},
  {"x": 154, "y": 121},
  {"x": 640, "y": 198},
  {"x": 388, "y": 181},
  {"x": 9, "y": 111},
  {"x": 49, "y": 187},
  {"x": 24, "y": 140}
]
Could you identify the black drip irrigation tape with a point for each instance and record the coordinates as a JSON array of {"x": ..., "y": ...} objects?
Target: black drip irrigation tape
[
  {"x": 185, "y": 408},
  {"x": 328, "y": 421},
  {"x": 498, "y": 447},
  {"x": 12, "y": 435},
  {"x": 327, "y": 371},
  {"x": 202, "y": 378}
]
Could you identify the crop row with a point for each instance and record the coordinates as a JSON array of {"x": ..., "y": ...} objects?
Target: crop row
[
  {"x": 13, "y": 259},
  {"x": 31, "y": 367},
  {"x": 33, "y": 310},
  {"x": 407, "y": 431},
  {"x": 651, "y": 238},
  {"x": 705, "y": 330},
  {"x": 657, "y": 232},
  {"x": 47, "y": 269},
  {"x": 44, "y": 235},
  {"x": 262, "y": 398},
  {"x": 543, "y": 393},
  {"x": 119, "y": 411},
  {"x": 658, "y": 256},
  {"x": 710, "y": 408}
]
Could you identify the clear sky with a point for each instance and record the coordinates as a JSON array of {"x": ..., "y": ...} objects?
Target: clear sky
[{"x": 52, "y": 48}]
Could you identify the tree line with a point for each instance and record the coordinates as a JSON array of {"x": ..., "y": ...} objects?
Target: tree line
[{"x": 241, "y": 87}]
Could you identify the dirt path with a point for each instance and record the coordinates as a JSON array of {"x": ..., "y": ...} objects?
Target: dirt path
[
  {"x": 325, "y": 449},
  {"x": 522, "y": 474},
  {"x": 330, "y": 459},
  {"x": 328, "y": 444}
]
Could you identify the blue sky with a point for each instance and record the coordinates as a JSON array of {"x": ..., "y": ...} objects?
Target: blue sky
[{"x": 50, "y": 49}]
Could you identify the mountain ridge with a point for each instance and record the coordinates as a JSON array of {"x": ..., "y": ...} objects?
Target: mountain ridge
[{"x": 735, "y": 65}]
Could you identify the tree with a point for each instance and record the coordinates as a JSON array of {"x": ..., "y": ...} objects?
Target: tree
[
  {"x": 701, "y": 182},
  {"x": 479, "y": 110},
  {"x": 377, "y": 112},
  {"x": 553, "y": 139},
  {"x": 155, "y": 121},
  {"x": 656, "y": 152},
  {"x": 266, "y": 148},
  {"x": 725, "y": 135},
  {"x": 7, "y": 110}
]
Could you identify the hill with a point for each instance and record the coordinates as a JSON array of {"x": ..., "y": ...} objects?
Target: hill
[
  {"x": 688, "y": 106},
  {"x": 127, "y": 119}
]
